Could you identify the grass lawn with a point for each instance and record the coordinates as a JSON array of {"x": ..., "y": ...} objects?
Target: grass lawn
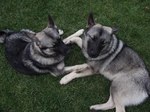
[{"x": 20, "y": 93}]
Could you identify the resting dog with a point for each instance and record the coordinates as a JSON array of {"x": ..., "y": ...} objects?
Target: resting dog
[
  {"x": 109, "y": 56},
  {"x": 35, "y": 53}
]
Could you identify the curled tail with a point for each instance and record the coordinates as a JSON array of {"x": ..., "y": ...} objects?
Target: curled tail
[{"x": 4, "y": 34}]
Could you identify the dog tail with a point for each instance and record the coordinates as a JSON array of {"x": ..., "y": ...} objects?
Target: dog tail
[{"x": 4, "y": 34}]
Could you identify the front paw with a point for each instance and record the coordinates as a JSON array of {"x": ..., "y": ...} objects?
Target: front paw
[
  {"x": 79, "y": 32},
  {"x": 68, "y": 40},
  {"x": 66, "y": 79},
  {"x": 94, "y": 108}
]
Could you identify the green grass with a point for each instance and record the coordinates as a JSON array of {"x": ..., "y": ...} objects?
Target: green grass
[{"x": 20, "y": 93}]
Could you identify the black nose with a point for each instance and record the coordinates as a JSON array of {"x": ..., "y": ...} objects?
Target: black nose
[{"x": 62, "y": 48}]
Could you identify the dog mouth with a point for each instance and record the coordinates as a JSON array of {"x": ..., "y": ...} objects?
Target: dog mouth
[
  {"x": 58, "y": 48},
  {"x": 53, "y": 52},
  {"x": 43, "y": 50}
]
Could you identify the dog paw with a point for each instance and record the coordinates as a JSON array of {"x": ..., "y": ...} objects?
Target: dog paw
[
  {"x": 66, "y": 79},
  {"x": 67, "y": 41},
  {"x": 70, "y": 40},
  {"x": 94, "y": 108},
  {"x": 79, "y": 32},
  {"x": 63, "y": 82}
]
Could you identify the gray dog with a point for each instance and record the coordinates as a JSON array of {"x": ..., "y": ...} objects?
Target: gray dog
[
  {"x": 109, "y": 56},
  {"x": 35, "y": 53}
]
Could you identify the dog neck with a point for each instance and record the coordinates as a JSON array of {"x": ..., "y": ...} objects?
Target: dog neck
[
  {"x": 114, "y": 48},
  {"x": 37, "y": 56}
]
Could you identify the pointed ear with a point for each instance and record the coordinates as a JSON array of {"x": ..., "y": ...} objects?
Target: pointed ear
[
  {"x": 50, "y": 21},
  {"x": 91, "y": 21},
  {"x": 114, "y": 30}
]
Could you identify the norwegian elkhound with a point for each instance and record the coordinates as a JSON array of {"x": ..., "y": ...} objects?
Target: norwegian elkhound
[
  {"x": 35, "y": 53},
  {"x": 109, "y": 56}
]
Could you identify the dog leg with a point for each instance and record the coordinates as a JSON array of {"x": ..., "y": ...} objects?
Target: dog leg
[
  {"x": 117, "y": 97},
  {"x": 69, "y": 69},
  {"x": 79, "y": 72},
  {"x": 105, "y": 106},
  {"x": 76, "y": 34},
  {"x": 74, "y": 38},
  {"x": 118, "y": 101},
  {"x": 119, "y": 107}
]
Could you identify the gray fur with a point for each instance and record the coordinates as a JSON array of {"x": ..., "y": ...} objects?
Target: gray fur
[
  {"x": 115, "y": 61},
  {"x": 35, "y": 53}
]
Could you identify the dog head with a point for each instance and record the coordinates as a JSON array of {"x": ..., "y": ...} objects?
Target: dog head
[
  {"x": 49, "y": 40},
  {"x": 96, "y": 38}
]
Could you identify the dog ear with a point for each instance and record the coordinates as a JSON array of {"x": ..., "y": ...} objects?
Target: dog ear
[
  {"x": 91, "y": 21},
  {"x": 50, "y": 22},
  {"x": 114, "y": 30}
]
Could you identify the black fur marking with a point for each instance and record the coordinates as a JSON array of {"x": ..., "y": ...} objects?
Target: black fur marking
[
  {"x": 61, "y": 48},
  {"x": 2, "y": 33},
  {"x": 95, "y": 46},
  {"x": 91, "y": 21}
]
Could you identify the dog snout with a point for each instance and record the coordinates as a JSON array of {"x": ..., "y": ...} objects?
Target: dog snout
[
  {"x": 92, "y": 53},
  {"x": 62, "y": 48}
]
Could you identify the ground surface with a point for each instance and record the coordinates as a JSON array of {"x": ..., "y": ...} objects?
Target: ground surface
[{"x": 20, "y": 93}]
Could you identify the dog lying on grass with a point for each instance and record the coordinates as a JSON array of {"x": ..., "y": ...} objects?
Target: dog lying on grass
[
  {"x": 109, "y": 56},
  {"x": 35, "y": 53}
]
